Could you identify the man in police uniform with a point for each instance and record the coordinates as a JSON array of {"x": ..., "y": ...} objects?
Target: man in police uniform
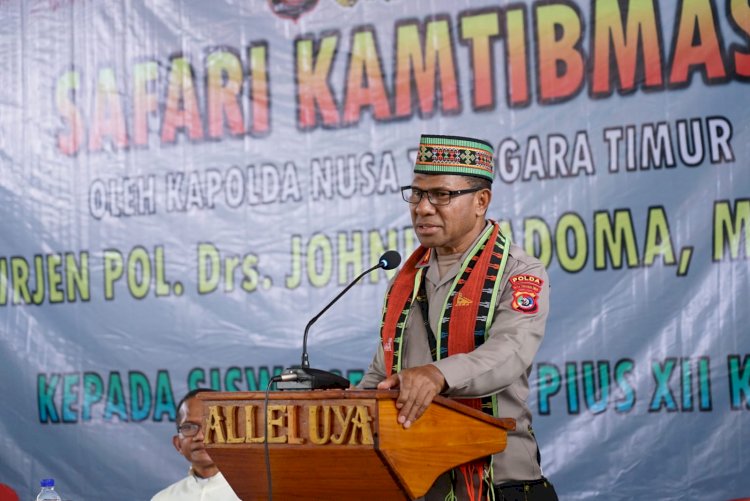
[{"x": 475, "y": 322}]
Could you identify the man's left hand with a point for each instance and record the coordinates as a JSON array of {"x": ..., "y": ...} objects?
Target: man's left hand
[{"x": 418, "y": 387}]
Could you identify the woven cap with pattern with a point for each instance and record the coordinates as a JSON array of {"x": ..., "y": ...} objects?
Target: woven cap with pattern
[{"x": 464, "y": 156}]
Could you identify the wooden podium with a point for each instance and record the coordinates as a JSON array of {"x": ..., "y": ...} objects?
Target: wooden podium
[{"x": 341, "y": 444}]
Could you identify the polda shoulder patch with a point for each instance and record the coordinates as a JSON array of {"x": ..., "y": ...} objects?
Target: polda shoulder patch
[{"x": 526, "y": 290}]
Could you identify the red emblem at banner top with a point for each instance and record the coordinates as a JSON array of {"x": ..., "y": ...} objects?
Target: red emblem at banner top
[{"x": 292, "y": 9}]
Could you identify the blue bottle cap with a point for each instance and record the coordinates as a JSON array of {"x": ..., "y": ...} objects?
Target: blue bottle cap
[{"x": 47, "y": 482}]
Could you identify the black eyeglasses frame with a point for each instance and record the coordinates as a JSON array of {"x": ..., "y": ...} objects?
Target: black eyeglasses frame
[{"x": 451, "y": 194}]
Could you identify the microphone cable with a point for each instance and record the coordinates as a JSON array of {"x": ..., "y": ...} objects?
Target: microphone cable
[{"x": 266, "y": 450}]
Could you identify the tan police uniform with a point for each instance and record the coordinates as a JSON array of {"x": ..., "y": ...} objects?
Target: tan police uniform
[{"x": 501, "y": 365}]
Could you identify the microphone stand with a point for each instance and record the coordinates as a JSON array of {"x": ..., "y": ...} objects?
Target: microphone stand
[
  {"x": 304, "y": 377},
  {"x": 305, "y": 358}
]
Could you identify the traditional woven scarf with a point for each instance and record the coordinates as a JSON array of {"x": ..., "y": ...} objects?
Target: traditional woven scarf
[{"x": 465, "y": 317}]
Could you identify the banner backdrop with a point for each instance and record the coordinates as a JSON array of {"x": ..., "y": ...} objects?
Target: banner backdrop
[{"x": 184, "y": 184}]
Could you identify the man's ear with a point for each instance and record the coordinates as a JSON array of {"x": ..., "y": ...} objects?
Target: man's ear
[
  {"x": 176, "y": 443},
  {"x": 484, "y": 198}
]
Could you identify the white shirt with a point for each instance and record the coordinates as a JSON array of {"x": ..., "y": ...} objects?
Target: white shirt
[{"x": 192, "y": 488}]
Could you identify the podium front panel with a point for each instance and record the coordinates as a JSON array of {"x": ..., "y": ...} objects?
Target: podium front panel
[{"x": 340, "y": 444}]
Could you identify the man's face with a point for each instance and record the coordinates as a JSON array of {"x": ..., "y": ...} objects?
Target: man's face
[
  {"x": 451, "y": 228},
  {"x": 192, "y": 447}
]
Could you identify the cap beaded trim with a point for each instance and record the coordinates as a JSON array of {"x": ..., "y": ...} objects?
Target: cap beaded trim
[{"x": 454, "y": 155}]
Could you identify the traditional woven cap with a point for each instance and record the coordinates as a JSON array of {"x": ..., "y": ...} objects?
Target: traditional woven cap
[{"x": 464, "y": 156}]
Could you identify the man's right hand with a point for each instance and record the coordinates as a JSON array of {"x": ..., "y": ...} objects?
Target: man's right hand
[{"x": 418, "y": 387}]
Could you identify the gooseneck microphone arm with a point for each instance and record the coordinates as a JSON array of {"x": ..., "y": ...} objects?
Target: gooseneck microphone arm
[
  {"x": 388, "y": 261},
  {"x": 305, "y": 359},
  {"x": 305, "y": 377}
]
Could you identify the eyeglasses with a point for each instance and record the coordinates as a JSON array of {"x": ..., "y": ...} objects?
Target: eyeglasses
[
  {"x": 188, "y": 429},
  {"x": 436, "y": 197}
]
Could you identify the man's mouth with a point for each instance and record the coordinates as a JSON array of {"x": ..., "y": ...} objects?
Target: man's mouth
[{"x": 427, "y": 229}]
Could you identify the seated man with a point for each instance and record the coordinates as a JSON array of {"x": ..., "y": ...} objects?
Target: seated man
[{"x": 204, "y": 481}]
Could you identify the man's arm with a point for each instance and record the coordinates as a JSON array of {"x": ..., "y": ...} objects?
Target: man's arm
[{"x": 509, "y": 351}]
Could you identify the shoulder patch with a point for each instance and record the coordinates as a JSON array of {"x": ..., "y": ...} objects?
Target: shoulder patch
[{"x": 526, "y": 290}]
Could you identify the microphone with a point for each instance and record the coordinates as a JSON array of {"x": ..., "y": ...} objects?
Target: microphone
[{"x": 303, "y": 377}]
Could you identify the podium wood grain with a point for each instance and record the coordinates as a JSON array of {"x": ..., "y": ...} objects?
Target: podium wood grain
[{"x": 398, "y": 464}]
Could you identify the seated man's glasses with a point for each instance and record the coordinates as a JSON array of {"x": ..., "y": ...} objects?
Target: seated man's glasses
[
  {"x": 188, "y": 429},
  {"x": 436, "y": 197}
]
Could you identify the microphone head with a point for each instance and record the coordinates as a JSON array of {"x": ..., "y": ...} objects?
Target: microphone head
[{"x": 390, "y": 260}]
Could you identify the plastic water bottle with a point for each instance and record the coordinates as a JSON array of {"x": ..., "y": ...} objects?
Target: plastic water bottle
[{"x": 48, "y": 492}]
